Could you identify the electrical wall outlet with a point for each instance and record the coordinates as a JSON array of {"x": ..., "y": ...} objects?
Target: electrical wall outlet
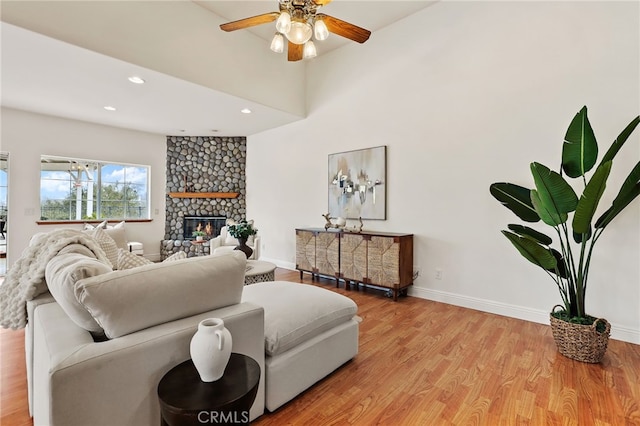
[{"x": 438, "y": 274}]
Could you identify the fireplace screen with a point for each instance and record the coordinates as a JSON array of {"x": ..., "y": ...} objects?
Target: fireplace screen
[{"x": 210, "y": 225}]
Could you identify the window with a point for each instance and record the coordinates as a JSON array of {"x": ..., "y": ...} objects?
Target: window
[{"x": 75, "y": 189}]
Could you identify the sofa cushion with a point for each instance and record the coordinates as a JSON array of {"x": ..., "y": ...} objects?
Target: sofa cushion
[
  {"x": 295, "y": 313},
  {"x": 123, "y": 302},
  {"x": 62, "y": 272}
]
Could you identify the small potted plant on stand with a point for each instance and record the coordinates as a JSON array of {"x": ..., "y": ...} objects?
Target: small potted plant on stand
[
  {"x": 199, "y": 235},
  {"x": 577, "y": 335},
  {"x": 242, "y": 231}
]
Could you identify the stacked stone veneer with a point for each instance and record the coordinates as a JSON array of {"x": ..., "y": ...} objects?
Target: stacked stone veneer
[{"x": 207, "y": 164}]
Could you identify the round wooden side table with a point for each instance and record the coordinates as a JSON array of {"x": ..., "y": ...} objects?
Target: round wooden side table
[{"x": 186, "y": 400}]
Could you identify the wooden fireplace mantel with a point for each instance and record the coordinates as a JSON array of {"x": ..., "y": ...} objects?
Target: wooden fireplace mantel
[{"x": 203, "y": 194}]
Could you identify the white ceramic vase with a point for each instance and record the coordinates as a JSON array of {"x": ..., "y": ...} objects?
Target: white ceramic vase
[{"x": 211, "y": 349}]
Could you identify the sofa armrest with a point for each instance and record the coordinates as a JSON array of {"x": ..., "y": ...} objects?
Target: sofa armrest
[
  {"x": 115, "y": 382},
  {"x": 256, "y": 247},
  {"x": 215, "y": 242}
]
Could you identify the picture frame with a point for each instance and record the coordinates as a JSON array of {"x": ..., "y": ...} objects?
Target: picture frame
[{"x": 357, "y": 184}]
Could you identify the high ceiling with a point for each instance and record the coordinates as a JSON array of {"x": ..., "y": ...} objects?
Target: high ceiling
[{"x": 45, "y": 69}]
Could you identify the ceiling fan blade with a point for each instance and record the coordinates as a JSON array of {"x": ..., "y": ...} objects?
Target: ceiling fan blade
[
  {"x": 294, "y": 52},
  {"x": 250, "y": 22},
  {"x": 345, "y": 29},
  {"x": 322, "y": 2}
]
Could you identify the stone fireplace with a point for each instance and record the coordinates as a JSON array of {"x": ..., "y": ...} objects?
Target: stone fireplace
[{"x": 199, "y": 166}]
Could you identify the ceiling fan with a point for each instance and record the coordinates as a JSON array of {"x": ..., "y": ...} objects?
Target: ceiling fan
[{"x": 298, "y": 21}]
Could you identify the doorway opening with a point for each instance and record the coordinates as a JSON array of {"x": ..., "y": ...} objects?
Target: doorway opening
[{"x": 4, "y": 197}]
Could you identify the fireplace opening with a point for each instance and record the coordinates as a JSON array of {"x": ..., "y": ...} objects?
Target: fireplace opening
[{"x": 210, "y": 225}]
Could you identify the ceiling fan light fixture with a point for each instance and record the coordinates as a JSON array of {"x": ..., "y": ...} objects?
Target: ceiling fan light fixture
[
  {"x": 309, "y": 50},
  {"x": 320, "y": 30},
  {"x": 277, "y": 44},
  {"x": 300, "y": 32},
  {"x": 283, "y": 24}
]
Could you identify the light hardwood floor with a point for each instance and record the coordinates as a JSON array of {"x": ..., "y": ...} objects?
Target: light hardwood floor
[{"x": 427, "y": 363}]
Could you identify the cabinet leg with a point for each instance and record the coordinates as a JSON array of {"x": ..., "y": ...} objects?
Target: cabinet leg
[{"x": 300, "y": 276}]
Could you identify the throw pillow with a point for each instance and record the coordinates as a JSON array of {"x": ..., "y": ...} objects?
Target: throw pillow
[
  {"x": 106, "y": 243},
  {"x": 62, "y": 272},
  {"x": 128, "y": 260},
  {"x": 118, "y": 234},
  {"x": 230, "y": 241},
  {"x": 89, "y": 227},
  {"x": 176, "y": 256}
]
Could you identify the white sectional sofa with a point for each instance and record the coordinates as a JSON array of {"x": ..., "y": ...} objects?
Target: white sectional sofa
[
  {"x": 98, "y": 345},
  {"x": 74, "y": 380}
]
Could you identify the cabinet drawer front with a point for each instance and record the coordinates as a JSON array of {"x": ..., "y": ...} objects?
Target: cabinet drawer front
[
  {"x": 353, "y": 257},
  {"x": 328, "y": 253},
  {"x": 383, "y": 261},
  {"x": 305, "y": 250}
]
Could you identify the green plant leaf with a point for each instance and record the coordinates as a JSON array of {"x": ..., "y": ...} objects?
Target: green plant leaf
[
  {"x": 578, "y": 238},
  {"x": 516, "y": 198},
  {"x": 629, "y": 190},
  {"x": 620, "y": 140},
  {"x": 532, "y": 251},
  {"x": 580, "y": 149},
  {"x": 561, "y": 266},
  {"x": 590, "y": 198},
  {"x": 553, "y": 189},
  {"x": 551, "y": 218},
  {"x": 532, "y": 233}
]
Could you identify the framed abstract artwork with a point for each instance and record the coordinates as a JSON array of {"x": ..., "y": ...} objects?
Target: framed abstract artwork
[{"x": 357, "y": 184}]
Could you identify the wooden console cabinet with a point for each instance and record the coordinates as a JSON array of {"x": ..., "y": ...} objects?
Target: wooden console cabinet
[{"x": 380, "y": 259}]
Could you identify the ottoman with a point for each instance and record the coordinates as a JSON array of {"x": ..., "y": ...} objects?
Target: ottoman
[{"x": 309, "y": 332}]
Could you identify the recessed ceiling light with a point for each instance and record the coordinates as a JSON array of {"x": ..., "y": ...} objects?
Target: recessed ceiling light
[
  {"x": 245, "y": 111},
  {"x": 135, "y": 79},
  {"x": 182, "y": 130},
  {"x": 110, "y": 108}
]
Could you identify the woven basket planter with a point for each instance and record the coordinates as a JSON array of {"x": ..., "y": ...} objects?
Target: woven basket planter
[{"x": 580, "y": 342}]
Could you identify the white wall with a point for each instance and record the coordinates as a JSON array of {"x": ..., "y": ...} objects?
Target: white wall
[
  {"x": 465, "y": 94},
  {"x": 27, "y": 136}
]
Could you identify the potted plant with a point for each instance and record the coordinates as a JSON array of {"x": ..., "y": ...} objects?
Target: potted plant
[
  {"x": 578, "y": 335},
  {"x": 199, "y": 235},
  {"x": 242, "y": 231}
]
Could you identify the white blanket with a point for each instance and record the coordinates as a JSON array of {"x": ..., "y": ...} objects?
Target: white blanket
[{"x": 25, "y": 280}]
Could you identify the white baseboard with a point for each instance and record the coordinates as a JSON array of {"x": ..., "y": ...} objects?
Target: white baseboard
[
  {"x": 280, "y": 263},
  {"x": 625, "y": 334}
]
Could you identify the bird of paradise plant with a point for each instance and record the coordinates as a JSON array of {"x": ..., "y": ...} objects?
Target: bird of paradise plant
[{"x": 553, "y": 200}]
